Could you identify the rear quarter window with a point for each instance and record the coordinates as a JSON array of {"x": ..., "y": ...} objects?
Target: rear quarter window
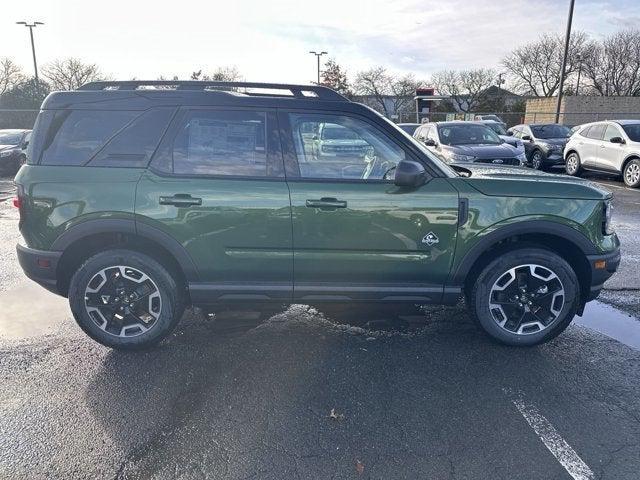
[{"x": 74, "y": 136}]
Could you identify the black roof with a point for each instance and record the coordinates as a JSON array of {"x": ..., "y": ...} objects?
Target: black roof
[{"x": 143, "y": 94}]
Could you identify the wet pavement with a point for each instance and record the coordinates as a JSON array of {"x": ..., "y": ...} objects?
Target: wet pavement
[{"x": 360, "y": 393}]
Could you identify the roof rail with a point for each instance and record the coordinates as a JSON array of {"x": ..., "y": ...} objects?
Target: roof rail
[{"x": 298, "y": 91}]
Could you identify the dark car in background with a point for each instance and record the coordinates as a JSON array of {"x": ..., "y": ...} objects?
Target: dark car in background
[
  {"x": 543, "y": 143},
  {"x": 13, "y": 146},
  {"x": 468, "y": 142}
]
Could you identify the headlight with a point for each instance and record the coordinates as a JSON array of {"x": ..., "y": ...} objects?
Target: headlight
[
  {"x": 606, "y": 222},
  {"x": 6, "y": 153},
  {"x": 457, "y": 157}
]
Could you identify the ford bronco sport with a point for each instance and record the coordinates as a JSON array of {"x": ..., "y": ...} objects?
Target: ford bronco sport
[{"x": 137, "y": 201}]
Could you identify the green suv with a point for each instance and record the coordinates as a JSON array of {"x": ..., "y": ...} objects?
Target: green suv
[{"x": 139, "y": 199}]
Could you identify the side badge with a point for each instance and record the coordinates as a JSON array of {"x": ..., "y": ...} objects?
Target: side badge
[{"x": 430, "y": 239}]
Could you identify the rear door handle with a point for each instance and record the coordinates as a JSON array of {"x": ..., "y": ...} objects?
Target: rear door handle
[
  {"x": 181, "y": 200},
  {"x": 326, "y": 203}
]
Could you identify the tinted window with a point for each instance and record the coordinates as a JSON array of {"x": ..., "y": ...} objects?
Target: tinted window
[
  {"x": 633, "y": 131},
  {"x": 75, "y": 136},
  {"x": 497, "y": 128},
  {"x": 550, "y": 131},
  {"x": 611, "y": 132},
  {"x": 134, "y": 145},
  {"x": 596, "y": 131},
  {"x": 222, "y": 143},
  {"x": 360, "y": 152}
]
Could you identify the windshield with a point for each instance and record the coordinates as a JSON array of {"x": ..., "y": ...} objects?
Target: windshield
[
  {"x": 632, "y": 131},
  {"x": 550, "y": 131},
  {"x": 497, "y": 128},
  {"x": 338, "y": 132},
  {"x": 467, "y": 135},
  {"x": 10, "y": 138}
]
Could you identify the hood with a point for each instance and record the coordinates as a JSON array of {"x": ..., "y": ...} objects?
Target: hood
[
  {"x": 521, "y": 182},
  {"x": 554, "y": 141},
  {"x": 503, "y": 150},
  {"x": 7, "y": 147},
  {"x": 357, "y": 143}
]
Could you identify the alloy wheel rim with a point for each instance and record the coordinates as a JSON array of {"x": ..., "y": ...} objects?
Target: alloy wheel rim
[
  {"x": 536, "y": 161},
  {"x": 632, "y": 175},
  {"x": 123, "y": 301},
  {"x": 572, "y": 164},
  {"x": 526, "y": 299}
]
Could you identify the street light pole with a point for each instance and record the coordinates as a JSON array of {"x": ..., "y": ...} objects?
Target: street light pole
[
  {"x": 567, "y": 37},
  {"x": 318, "y": 55},
  {"x": 33, "y": 47}
]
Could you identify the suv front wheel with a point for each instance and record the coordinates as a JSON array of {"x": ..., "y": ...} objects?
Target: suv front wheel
[
  {"x": 525, "y": 297},
  {"x": 125, "y": 299}
]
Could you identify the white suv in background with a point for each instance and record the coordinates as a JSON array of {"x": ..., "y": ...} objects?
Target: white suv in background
[{"x": 610, "y": 147}]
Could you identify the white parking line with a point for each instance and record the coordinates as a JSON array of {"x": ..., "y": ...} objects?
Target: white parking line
[{"x": 557, "y": 445}]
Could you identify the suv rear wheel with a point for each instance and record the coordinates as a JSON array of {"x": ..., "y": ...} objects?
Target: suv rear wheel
[
  {"x": 525, "y": 297},
  {"x": 631, "y": 174},
  {"x": 125, "y": 299}
]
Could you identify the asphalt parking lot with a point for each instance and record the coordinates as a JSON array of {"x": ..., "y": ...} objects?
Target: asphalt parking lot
[{"x": 369, "y": 394}]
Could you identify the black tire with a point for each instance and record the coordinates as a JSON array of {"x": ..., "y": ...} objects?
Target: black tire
[
  {"x": 537, "y": 160},
  {"x": 573, "y": 166},
  {"x": 479, "y": 296},
  {"x": 170, "y": 299},
  {"x": 631, "y": 173}
]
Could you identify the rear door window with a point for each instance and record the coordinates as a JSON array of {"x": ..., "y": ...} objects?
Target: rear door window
[
  {"x": 74, "y": 136},
  {"x": 596, "y": 132}
]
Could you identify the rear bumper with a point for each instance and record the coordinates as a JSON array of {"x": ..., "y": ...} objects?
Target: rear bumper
[
  {"x": 40, "y": 266},
  {"x": 602, "y": 268}
]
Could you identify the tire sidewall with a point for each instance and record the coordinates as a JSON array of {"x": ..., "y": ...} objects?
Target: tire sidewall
[
  {"x": 171, "y": 308},
  {"x": 624, "y": 176},
  {"x": 533, "y": 161},
  {"x": 497, "y": 268}
]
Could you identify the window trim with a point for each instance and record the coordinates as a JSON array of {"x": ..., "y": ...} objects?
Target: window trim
[
  {"x": 273, "y": 149},
  {"x": 292, "y": 168}
]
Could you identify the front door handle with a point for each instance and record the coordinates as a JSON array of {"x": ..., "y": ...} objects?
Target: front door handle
[
  {"x": 326, "y": 203},
  {"x": 181, "y": 200}
]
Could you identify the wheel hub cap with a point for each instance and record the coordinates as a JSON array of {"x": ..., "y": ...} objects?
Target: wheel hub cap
[
  {"x": 526, "y": 299},
  {"x": 123, "y": 301}
]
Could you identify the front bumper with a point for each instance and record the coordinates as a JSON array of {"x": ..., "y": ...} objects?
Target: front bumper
[
  {"x": 553, "y": 158},
  {"x": 602, "y": 268},
  {"x": 40, "y": 266}
]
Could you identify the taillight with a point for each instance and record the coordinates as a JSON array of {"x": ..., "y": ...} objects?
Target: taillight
[{"x": 17, "y": 202}]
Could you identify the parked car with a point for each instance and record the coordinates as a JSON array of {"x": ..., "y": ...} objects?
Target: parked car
[
  {"x": 334, "y": 140},
  {"x": 493, "y": 118},
  {"x": 13, "y": 146},
  {"x": 499, "y": 130},
  {"x": 410, "y": 128},
  {"x": 466, "y": 142},
  {"x": 610, "y": 147},
  {"x": 543, "y": 143},
  {"x": 137, "y": 203}
]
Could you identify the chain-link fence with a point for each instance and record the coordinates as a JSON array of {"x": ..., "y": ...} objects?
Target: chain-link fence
[{"x": 17, "y": 118}]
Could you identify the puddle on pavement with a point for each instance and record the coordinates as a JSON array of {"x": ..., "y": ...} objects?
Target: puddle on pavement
[
  {"x": 611, "y": 322},
  {"x": 28, "y": 310}
]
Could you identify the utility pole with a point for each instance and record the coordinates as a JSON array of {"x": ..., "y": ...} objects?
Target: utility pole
[
  {"x": 31, "y": 26},
  {"x": 567, "y": 38},
  {"x": 318, "y": 55}
]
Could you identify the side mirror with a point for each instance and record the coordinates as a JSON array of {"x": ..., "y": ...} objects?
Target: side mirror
[
  {"x": 526, "y": 138},
  {"x": 410, "y": 174},
  {"x": 430, "y": 142},
  {"x": 509, "y": 134},
  {"x": 619, "y": 140},
  {"x": 25, "y": 145}
]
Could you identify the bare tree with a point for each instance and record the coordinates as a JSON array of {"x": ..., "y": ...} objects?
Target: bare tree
[
  {"x": 220, "y": 74},
  {"x": 389, "y": 94},
  {"x": 10, "y": 75},
  {"x": 71, "y": 73},
  {"x": 466, "y": 87},
  {"x": 612, "y": 67},
  {"x": 534, "y": 68},
  {"x": 333, "y": 76}
]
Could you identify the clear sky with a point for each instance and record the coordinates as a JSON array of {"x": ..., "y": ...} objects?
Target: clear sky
[{"x": 269, "y": 40}]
